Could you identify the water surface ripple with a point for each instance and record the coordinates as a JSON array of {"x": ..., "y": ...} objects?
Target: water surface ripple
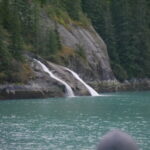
[{"x": 73, "y": 124}]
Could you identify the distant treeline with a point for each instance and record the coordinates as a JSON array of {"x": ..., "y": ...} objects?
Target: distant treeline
[{"x": 125, "y": 27}]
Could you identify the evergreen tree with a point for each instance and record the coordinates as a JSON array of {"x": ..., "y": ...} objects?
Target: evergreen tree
[
  {"x": 73, "y": 8},
  {"x": 53, "y": 43},
  {"x": 125, "y": 27},
  {"x": 5, "y": 56},
  {"x": 5, "y": 13},
  {"x": 16, "y": 38}
]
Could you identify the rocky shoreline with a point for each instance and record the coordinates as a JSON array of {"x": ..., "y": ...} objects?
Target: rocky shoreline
[
  {"x": 128, "y": 85},
  {"x": 44, "y": 90}
]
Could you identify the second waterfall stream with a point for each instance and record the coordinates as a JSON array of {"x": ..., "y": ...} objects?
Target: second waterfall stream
[
  {"x": 69, "y": 91},
  {"x": 90, "y": 89}
]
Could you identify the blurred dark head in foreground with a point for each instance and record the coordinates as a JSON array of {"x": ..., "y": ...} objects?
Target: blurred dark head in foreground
[{"x": 117, "y": 140}]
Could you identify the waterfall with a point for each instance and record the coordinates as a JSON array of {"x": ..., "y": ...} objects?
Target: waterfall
[
  {"x": 90, "y": 89},
  {"x": 68, "y": 88}
]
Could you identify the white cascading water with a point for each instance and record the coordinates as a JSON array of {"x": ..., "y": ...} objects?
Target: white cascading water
[
  {"x": 90, "y": 89},
  {"x": 70, "y": 92}
]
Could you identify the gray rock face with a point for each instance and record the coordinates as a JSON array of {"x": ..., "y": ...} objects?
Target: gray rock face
[
  {"x": 42, "y": 85},
  {"x": 78, "y": 88},
  {"x": 97, "y": 66},
  {"x": 94, "y": 48}
]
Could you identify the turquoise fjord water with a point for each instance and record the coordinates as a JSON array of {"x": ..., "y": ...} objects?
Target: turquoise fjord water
[{"x": 73, "y": 124}]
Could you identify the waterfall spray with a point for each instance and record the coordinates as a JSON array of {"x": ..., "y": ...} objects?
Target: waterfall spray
[
  {"x": 69, "y": 91},
  {"x": 90, "y": 89}
]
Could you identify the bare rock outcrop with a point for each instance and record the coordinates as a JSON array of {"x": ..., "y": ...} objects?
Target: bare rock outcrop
[{"x": 97, "y": 65}]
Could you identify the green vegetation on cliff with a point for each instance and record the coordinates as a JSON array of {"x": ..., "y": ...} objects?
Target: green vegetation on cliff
[
  {"x": 19, "y": 31},
  {"x": 124, "y": 26}
]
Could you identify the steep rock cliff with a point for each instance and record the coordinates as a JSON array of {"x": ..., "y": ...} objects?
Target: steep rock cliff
[
  {"x": 96, "y": 66},
  {"x": 93, "y": 66}
]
